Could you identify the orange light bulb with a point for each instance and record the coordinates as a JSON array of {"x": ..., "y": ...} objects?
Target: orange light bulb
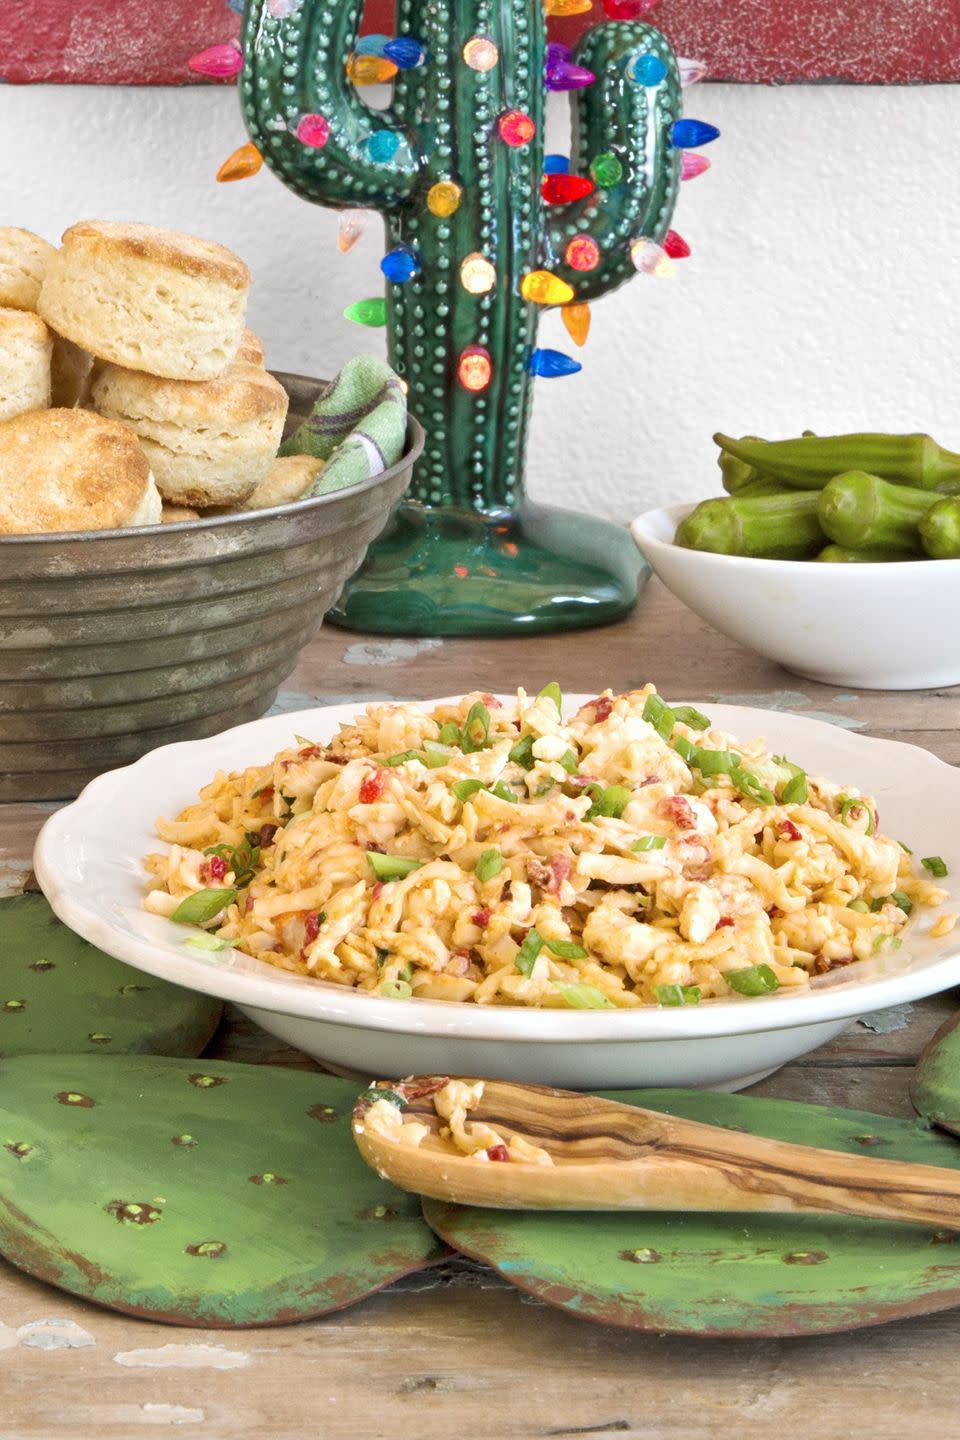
[
  {"x": 241, "y": 164},
  {"x": 444, "y": 198},
  {"x": 370, "y": 69},
  {"x": 583, "y": 253},
  {"x": 576, "y": 321},
  {"x": 475, "y": 368}
]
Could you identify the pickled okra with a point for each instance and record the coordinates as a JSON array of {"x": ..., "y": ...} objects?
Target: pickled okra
[
  {"x": 808, "y": 462},
  {"x": 776, "y": 527},
  {"x": 861, "y": 511}
]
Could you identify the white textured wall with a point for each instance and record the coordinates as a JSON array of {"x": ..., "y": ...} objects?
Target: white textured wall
[{"x": 823, "y": 291}]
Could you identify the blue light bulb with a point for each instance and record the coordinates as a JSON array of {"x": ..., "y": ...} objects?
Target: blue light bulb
[
  {"x": 372, "y": 45},
  {"x": 556, "y": 165},
  {"x": 400, "y": 265},
  {"x": 552, "y": 363},
  {"x": 405, "y": 52},
  {"x": 691, "y": 134},
  {"x": 382, "y": 145},
  {"x": 648, "y": 70}
]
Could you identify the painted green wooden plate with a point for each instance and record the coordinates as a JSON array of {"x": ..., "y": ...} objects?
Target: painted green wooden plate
[
  {"x": 730, "y": 1275},
  {"x": 60, "y": 995},
  {"x": 196, "y": 1192},
  {"x": 935, "y": 1085}
]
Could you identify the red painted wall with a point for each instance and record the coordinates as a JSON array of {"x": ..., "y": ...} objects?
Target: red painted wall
[{"x": 127, "y": 42}]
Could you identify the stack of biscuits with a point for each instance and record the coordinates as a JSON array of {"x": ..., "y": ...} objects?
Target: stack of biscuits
[{"x": 130, "y": 390}]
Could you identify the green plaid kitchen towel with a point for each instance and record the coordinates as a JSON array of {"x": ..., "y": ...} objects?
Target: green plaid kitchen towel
[{"x": 358, "y": 426}]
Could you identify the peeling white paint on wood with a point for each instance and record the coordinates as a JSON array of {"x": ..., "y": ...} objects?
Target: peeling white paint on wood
[
  {"x": 183, "y": 1357},
  {"x": 54, "y": 1333},
  {"x": 387, "y": 652}
]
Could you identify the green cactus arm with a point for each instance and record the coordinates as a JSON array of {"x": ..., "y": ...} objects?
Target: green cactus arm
[
  {"x": 294, "y": 66},
  {"x": 616, "y": 115}
]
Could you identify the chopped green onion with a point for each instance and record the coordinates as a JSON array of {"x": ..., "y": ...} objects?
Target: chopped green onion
[
  {"x": 449, "y": 734},
  {"x": 522, "y": 752},
  {"x": 302, "y": 740},
  {"x": 905, "y": 848},
  {"x": 753, "y": 980},
  {"x": 403, "y": 757},
  {"x": 203, "y": 941},
  {"x": 609, "y": 801},
  {"x": 383, "y": 1092},
  {"x": 694, "y": 718},
  {"x": 489, "y": 863},
  {"x": 796, "y": 790},
  {"x": 526, "y": 956},
  {"x": 568, "y": 762},
  {"x": 406, "y": 973},
  {"x": 660, "y": 716},
  {"x": 685, "y": 748},
  {"x": 848, "y": 804},
  {"x": 463, "y": 789},
  {"x": 935, "y": 866},
  {"x": 241, "y": 859},
  {"x": 477, "y": 728},
  {"x": 649, "y": 842},
  {"x": 715, "y": 762},
  {"x": 552, "y": 692},
  {"x": 859, "y": 905},
  {"x": 887, "y": 942},
  {"x": 396, "y": 990},
  {"x": 544, "y": 789},
  {"x": 200, "y": 907},
  {"x": 566, "y": 949},
  {"x": 584, "y": 997},
  {"x": 748, "y": 784},
  {"x": 391, "y": 867},
  {"x": 902, "y": 902},
  {"x": 503, "y": 792},
  {"x": 878, "y": 904},
  {"x": 436, "y": 755},
  {"x": 679, "y": 994}
]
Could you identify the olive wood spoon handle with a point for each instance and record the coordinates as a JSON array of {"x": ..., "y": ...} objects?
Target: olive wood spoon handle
[{"x": 610, "y": 1156}]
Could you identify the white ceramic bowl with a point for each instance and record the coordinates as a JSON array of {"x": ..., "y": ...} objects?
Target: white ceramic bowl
[
  {"x": 875, "y": 627},
  {"x": 88, "y": 858}
]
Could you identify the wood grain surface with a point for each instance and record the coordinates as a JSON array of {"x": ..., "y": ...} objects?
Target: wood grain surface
[
  {"x": 119, "y": 42},
  {"x": 457, "y": 1352}
]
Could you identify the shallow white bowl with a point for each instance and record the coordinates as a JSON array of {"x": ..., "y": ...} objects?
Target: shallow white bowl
[
  {"x": 876, "y": 627},
  {"x": 88, "y": 856}
]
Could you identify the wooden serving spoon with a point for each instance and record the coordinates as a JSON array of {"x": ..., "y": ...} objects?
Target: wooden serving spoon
[{"x": 609, "y": 1156}]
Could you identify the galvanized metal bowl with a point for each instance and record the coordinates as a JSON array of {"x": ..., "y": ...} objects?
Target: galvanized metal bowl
[{"x": 115, "y": 641}]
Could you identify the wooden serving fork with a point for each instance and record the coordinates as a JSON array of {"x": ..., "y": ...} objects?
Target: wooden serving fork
[{"x": 610, "y": 1156}]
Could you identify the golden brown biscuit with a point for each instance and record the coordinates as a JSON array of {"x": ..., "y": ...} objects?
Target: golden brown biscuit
[
  {"x": 70, "y": 470},
  {"x": 289, "y": 478},
  {"x": 25, "y": 349},
  {"x": 251, "y": 349},
  {"x": 209, "y": 442},
  {"x": 23, "y": 260},
  {"x": 152, "y": 300},
  {"x": 175, "y": 514}
]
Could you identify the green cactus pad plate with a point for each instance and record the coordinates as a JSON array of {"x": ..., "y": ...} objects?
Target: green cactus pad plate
[
  {"x": 199, "y": 1193},
  {"x": 60, "y": 995},
  {"x": 731, "y": 1275},
  {"x": 935, "y": 1085}
]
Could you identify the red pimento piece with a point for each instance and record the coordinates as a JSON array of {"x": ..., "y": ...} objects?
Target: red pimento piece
[
  {"x": 498, "y": 1152},
  {"x": 411, "y": 1091},
  {"x": 267, "y": 833},
  {"x": 311, "y": 927},
  {"x": 491, "y": 702},
  {"x": 560, "y": 867},
  {"x": 213, "y": 869},
  {"x": 601, "y": 708},
  {"x": 482, "y": 918},
  {"x": 310, "y": 752},
  {"x": 680, "y": 811},
  {"x": 266, "y": 793},
  {"x": 373, "y": 787},
  {"x": 377, "y": 890},
  {"x": 789, "y": 831},
  {"x": 724, "y": 920}
]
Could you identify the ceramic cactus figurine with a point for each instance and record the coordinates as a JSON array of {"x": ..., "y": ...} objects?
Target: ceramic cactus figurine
[{"x": 478, "y": 240}]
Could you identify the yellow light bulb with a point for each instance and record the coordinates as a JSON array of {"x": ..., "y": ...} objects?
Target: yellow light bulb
[
  {"x": 480, "y": 53},
  {"x": 444, "y": 198},
  {"x": 545, "y": 288},
  {"x": 567, "y": 7},
  {"x": 477, "y": 275},
  {"x": 370, "y": 69}
]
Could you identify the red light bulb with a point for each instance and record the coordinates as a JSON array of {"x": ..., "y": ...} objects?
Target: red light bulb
[
  {"x": 516, "y": 128},
  {"x": 562, "y": 189},
  {"x": 675, "y": 245},
  {"x": 583, "y": 253},
  {"x": 474, "y": 368}
]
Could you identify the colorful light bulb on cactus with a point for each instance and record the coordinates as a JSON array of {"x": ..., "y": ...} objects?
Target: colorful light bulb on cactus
[
  {"x": 456, "y": 166},
  {"x": 693, "y": 165}
]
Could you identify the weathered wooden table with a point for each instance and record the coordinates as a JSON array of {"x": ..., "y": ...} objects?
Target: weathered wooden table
[{"x": 457, "y": 1352}]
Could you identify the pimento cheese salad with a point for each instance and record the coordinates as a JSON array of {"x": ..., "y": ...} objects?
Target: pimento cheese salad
[{"x": 499, "y": 854}]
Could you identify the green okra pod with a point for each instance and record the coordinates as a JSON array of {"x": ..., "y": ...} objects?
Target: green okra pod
[
  {"x": 775, "y": 527},
  {"x": 861, "y": 511},
  {"x": 762, "y": 485},
  {"x": 940, "y": 530},
  {"x": 842, "y": 555},
  {"x": 809, "y": 462}
]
